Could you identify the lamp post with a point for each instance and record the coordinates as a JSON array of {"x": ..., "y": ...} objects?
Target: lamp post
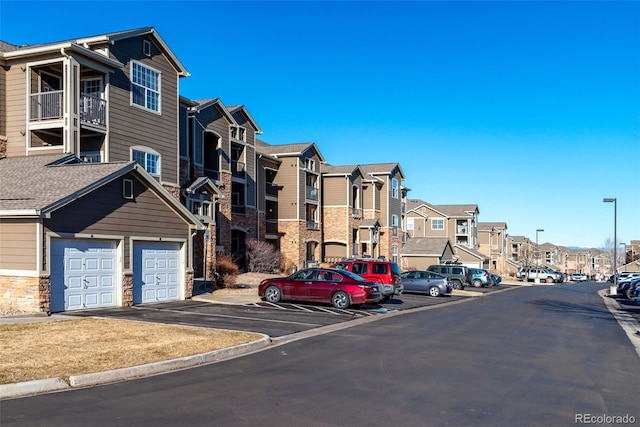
[
  {"x": 614, "y": 289},
  {"x": 538, "y": 250}
]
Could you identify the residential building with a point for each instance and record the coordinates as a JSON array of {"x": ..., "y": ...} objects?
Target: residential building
[
  {"x": 492, "y": 242},
  {"x": 299, "y": 184},
  {"x": 421, "y": 252},
  {"x": 110, "y": 101},
  {"x": 384, "y": 200}
]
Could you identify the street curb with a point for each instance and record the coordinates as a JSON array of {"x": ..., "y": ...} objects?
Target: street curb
[
  {"x": 32, "y": 387},
  {"x": 85, "y": 380},
  {"x": 627, "y": 322}
]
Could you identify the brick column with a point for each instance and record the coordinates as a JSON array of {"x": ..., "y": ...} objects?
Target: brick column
[{"x": 127, "y": 288}]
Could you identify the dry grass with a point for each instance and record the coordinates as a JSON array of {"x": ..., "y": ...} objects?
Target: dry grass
[{"x": 72, "y": 347}]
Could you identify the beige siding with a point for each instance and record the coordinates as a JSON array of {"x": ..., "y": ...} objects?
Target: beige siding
[
  {"x": 287, "y": 178},
  {"x": 335, "y": 191},
  {"x": 16, "y": 113},
  {"x": 130, "y": 125},
  {"x": 18, "y": 247}
]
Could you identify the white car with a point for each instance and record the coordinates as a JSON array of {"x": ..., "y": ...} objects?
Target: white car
[{"x": 578, "y": 277}]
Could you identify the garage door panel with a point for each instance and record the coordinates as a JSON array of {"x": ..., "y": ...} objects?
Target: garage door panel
[
  {"x": 83, "y": 274},
  {"x": 156, "y": 272}
]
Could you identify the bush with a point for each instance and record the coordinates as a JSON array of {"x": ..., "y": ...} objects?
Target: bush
[
  {"x": 226, "y": 272},
  {"x": 262, "y": 257}
]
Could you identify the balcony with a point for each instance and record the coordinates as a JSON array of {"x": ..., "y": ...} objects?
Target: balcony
[
  {"x": 356, "y": 213},
  {"x": 238, "y": 169},
  {"x": 312, "y": 225},
  {"x": 48, "y": 106},
  {"x": 271, "y": 226},
  {"x": 271, "y": 189},
  {"x": 312, "y": 193}
]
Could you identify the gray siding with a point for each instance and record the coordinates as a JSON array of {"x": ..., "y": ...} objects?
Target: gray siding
[
  {"x": 18, "y": 248},
  {"x": 105, "y": 211},
  {"x": 130, "y": 125}
]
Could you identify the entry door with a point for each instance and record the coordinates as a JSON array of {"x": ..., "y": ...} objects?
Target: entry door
[
  {"x": 156, "y": 272},
  {"x": 83, "y": 274}
]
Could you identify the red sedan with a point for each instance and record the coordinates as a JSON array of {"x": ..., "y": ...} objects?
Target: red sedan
[{"x": 341, "y": 289}]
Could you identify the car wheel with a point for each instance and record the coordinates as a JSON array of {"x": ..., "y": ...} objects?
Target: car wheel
[
  {"x": 629, "y": 293},
  {"x": 385, "y": 298},
  {"x": 476, "y": 283},
  {"x": 457, "y": 285},
  {"x": 434, "y": 291},
  {"x": 273, "y": 294},
  {"x": 340, "y": 300}
]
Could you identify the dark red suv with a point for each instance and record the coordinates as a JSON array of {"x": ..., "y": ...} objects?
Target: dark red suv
[{"x": 385, "y": 273}]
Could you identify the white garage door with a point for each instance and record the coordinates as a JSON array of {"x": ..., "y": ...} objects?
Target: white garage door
[
  {"x": 83, "y": 274},
  {"x": 156, "y": 272}
]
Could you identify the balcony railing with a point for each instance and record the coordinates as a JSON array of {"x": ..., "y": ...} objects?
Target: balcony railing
[
  {"x": 312, "y": 193},
  {"x": 238, "y": 169},
  {"x": 93, "y": 109},
  {"x": 46, "y": 105},
  {"x": 270, "y": 189},
  {"x": 356, "y": 213},
  {"x": 271, "y": 226}
]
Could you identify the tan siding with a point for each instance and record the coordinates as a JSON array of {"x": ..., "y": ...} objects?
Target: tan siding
[
  {"x": 287, "y": 178},
  {"x": 130, "y": 125},
  {"x": 3, "y": 101},
  {"x": 16, "y": 112},
  {"x": 251, "y": 175},
  {"x": 18, "y": 244},
  {"x": 335, "y": 191}
]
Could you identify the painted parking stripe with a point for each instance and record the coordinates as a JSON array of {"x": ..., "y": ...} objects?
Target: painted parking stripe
[{"x": 302, "y": 308}]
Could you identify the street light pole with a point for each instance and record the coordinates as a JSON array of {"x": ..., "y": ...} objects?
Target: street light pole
[
  {"x": 615, "y": 238},
  {"x": 538, "y": 249}
]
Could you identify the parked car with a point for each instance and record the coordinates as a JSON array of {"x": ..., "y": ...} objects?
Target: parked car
[
  {"x": 458, "y": 275},
  {"x": 385, "y": 273},
  {"x": 480, "y": 277},
  {"x": 632, "y": 289},
  {"x": 544, "y": 274},
  {"x": 624, "y": 284},
  {"x": 341, "y": 289},
  {"x": 496, "y": 279},
  {"x": 425, "y": 282},
  {"x": 578, "y": 277}
]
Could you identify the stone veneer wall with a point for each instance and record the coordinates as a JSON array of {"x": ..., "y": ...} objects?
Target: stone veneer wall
[
  {"x": 293, "y": 244},
  {"x": 24, "y": 293},
  {"x": 127, "y": 288},
  {"x": 336, "y": 226},
  {"x": 188, "y": 284}
]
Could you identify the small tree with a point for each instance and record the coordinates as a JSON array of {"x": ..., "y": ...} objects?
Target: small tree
[{"x": 262, "y": 257}]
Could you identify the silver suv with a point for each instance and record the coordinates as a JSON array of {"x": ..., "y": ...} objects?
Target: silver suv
[{"x": 544, "y": 274}]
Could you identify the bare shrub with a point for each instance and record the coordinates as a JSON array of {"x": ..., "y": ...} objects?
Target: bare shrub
[
  {"x": 226, "y": 272},
  {"x": 262, "y": 257}
]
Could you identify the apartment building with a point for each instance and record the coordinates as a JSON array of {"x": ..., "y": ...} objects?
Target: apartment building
[
  {"x": 89, "y": 126},
  {"x": 492, "y": 242}
]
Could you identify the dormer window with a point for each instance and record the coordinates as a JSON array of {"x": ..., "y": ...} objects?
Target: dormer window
[
  {"x": 149, "y": 159},
  {"x": 146, "y": 47}
]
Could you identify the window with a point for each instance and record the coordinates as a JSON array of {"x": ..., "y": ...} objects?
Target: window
[
  {"x": 238, "y": 133},
  {"x": 394, "y": 188},
  {"x": 410, "y": 223},
  {"x": 394, "y": 253},
  {"x": 394, "y": 224},
  {"x": 147, "y": 158},
  {"x": 437, "y": 223},
  {"x": 145, "y": 87},
  {"x": 127, "y": 189},
  {"x": 310, "y": 164},
  {"x": 146, "y": 47}
]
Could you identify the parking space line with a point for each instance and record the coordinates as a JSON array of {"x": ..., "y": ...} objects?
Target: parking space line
[
  {"x": 328, "y": 311},
  {"x": 274, "y": 305},
  {"x": 302, "y": 308},
  {"x": 232, "y": 317}
]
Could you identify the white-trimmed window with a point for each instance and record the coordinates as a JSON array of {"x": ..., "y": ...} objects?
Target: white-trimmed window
[
  {"x": 149, "y": 159},
  {"x": 145, "y": 87},
  {"x": 410, "y": 223},
  {"x": 394, "y": 225},
  {"x": 238, "y": 133},
  {"x": 394, "y": 188},
  {"x": 310, "y": 164},
  {"x": 437, "y": 223},
  {"x": 394, "y": 253}
]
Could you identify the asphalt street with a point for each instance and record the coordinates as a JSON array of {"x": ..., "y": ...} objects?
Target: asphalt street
[{"x": 539, "y": 355}]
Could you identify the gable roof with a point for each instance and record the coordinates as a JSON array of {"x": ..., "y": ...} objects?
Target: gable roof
[
  {"x": 35, "y": 186},
  {"x": 203, "y": 104},
  {"x": 472, "y": 252},
  {"x": 382, "y": 169},
  {"x": 488, "y": 226},
  {"x": 445, "y": 210},
  {"x": 341, "y": 170},
  {"x": 426, "y": 246},
  {"x": 241, "y": 109},
  {"x": 287, "y": 150},
  {"x": 82, "y": 45}
]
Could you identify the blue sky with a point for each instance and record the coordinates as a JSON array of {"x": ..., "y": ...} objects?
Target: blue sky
[{"x": 529, "y": 109}]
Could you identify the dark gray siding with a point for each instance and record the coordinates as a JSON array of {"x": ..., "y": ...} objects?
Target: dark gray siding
[{"x": 130, "y": 125}]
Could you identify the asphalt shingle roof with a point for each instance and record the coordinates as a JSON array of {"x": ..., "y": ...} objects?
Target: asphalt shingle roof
[
  {"x": 38, "y": 182},
  {"x": 425, "y": 246}
]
